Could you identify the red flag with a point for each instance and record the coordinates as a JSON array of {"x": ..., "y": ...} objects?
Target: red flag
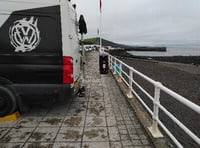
[{"x": 100, "y": 5}]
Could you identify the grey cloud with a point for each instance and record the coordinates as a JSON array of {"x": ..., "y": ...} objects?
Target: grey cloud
[{"x": 145, "y": 21}]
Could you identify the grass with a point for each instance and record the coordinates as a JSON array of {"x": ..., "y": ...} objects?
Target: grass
[{"x": 91, "y": 41}]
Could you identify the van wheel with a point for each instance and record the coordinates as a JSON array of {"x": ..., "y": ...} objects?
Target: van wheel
[{"x": 7, "y": 101}]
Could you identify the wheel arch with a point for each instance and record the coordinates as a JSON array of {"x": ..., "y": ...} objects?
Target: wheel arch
[{"x": 4, "y": 81}]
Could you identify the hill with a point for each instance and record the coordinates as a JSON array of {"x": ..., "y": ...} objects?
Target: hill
[
  {"x": 125, "y": 47},
  {"x": 104, "y": 42}
]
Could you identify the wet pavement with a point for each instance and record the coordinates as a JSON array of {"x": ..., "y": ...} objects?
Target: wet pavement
[{"x": 101, "y": 119}]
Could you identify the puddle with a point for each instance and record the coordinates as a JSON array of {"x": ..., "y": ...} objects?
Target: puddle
[
  {"x": 97, "y": 121},
  {"x": 71, "y": 134},
  {"x": 53, "y": 121},
  {"x": 67, "y": 146},
  {"x": 16, "y": 146},
  {"x": 23, "y": 122},
  {"x": 94, "y": 133},
  {"x": 19, "y": 126},
  {"x": 96, "y": 98},
  {"x": 96, "y": 111},
  {"x": 79, "y": 111},
  {"x": 73, "y": 121},
  {"x": 6, "y": 139},
  {"x": 38, "y": 145},
  {"x": 2, "y": 132},
  {"x": 38, "y": 136},
  {"x": 22, "y": 137},
  {"x": 95, "y": 104},
  {"x": 86, "y": 146},
  {"x": 83, "y": 105},
  {"x": 31, "y": 119}
]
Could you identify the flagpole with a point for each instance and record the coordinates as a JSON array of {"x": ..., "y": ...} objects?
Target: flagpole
[
  {"x": 100, "y": 31},
  {"x": 100, "y": 28}
]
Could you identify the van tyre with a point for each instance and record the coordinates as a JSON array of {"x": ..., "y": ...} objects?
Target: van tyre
[{"x": 8, "y": 101}]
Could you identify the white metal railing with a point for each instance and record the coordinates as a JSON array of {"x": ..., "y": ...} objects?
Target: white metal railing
[{"x": 116, "y": 65}]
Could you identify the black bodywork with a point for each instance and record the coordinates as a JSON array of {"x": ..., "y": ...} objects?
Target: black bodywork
[{"x": 38, "y": 71}]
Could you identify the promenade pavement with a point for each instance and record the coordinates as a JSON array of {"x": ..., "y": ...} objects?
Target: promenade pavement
[{"x": 101, "y": 119}]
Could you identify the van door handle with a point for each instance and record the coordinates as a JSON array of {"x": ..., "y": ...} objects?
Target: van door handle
[{"x": 76, "y": 61}]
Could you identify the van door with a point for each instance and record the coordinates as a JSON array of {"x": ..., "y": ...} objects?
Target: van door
[{"x": 31, "y": 46}]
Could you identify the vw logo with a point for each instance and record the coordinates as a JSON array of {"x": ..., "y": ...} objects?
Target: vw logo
[{"x": 24, "y": 35}]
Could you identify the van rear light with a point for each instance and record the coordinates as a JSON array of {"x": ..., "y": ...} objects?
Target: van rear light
[{"x": 67, "y": 70}]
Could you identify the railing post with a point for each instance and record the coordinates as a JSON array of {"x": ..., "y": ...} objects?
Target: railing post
[
  {"x": 115, "y": 64},
  {"x": 110, "y": 62},
  {"x": 130, "y": 94},
  {"x": 154, "y": 128},
  {"x": 120, "y": 73}
]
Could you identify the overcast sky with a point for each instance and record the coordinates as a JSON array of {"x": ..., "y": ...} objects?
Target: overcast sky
[{"x": 144, "y": 22}]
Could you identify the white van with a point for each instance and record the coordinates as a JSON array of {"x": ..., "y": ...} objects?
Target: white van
[{"x": 39, "y": 50}]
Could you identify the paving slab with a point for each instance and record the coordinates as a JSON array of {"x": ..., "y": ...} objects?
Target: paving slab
[
  {"x": 44, "y": 134},
  {"x": 71, "y": 134},
  {"x": 95, "y": 121},
  {"x": 100, "y": 119}
]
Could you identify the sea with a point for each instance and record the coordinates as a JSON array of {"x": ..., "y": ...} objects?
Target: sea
[{"x": 169, "y": 52}]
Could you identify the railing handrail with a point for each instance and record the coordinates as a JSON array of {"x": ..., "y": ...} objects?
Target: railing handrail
[{"x": 158, "y": 86}]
